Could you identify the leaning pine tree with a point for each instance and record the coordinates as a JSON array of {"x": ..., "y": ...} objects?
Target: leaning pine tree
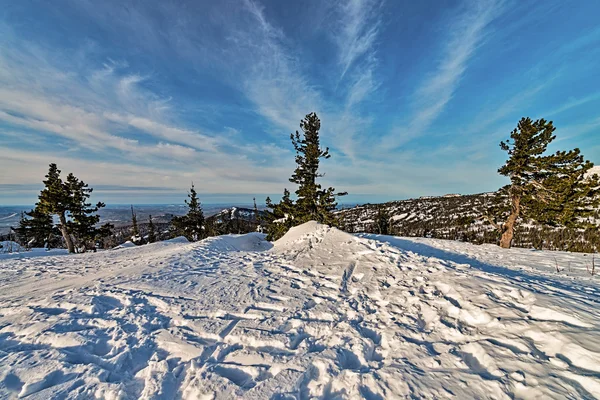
[
  {"x": 54, "y": 199},
  {"x": 551, "y": 189},
  {"x": 69, "y": 201},
  {"x": 313, "y": 203}
]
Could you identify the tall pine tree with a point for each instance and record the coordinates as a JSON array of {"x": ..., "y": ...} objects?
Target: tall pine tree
[
  {"x": 551, "y": 189},
  {"x": 313, "y": 201},
  {"x": 191, "y": 225},
  {"x": 68, "y": 200}
]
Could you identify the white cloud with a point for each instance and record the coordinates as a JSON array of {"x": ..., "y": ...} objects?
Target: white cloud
[
  {"x": 465, "y": 34},
  {"x": 356, "y": 31},
  {"x": 271, "y": 76},
  {"x": 115, "y": 130}
]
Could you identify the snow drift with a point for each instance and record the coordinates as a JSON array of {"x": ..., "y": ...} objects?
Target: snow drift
[{"x": 318, "y": 314}]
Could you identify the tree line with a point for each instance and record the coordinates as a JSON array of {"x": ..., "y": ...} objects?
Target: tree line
[{"x": 551, "y": 189}]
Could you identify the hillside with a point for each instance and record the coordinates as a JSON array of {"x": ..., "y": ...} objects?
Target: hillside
[
  {"x": 234, "y": 220},
  {"x": 318, "y": 314},
  {"x": 460, "y": 217}
]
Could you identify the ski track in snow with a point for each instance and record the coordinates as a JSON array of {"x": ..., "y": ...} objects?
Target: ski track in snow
[{"x": 322, "y": 314}]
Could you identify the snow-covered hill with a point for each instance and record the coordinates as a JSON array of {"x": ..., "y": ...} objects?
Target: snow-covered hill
[
  {"x": 318, "y": 314},
  {"x": 462, "y": 217}
]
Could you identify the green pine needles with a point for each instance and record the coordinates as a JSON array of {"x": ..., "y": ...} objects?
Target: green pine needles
[
  {"x": 313, "y": 202},
  {"x": 192, "y": 224},
  {"x": 550, "y": 189},
  {"x": 68, "y": 201}
]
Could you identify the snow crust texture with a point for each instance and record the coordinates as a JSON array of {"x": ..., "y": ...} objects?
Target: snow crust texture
[{"x": 319, "y": 314}]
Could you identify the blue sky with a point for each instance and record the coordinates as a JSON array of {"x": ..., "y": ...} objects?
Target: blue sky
[{"x": 139, "y": 98}]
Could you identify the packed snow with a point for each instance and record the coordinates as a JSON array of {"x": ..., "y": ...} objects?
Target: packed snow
[{"x": 318, "y": 314}]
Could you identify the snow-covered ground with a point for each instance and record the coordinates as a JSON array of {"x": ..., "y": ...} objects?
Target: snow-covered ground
[{"x": 319, "y": 314}]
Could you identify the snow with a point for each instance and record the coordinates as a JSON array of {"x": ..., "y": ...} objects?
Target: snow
[
  {"x": 12, "y": 250},
  {"x": 128, "y": 244},
  {"x": 8, "y": 217},
  {"x": 8, "y": 246},
  {"x": 318, "y": 314},
  {"x": 594, "y": 170}
]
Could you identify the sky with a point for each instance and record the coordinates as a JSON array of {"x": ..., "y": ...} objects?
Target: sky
[{"x": 141, "y": 98}]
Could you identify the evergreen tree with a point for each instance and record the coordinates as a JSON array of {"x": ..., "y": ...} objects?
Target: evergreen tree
[
  {"x": 382, "y": 220},
  {"x": 191, "y": 225},
  {"x": 280, "y": 218},
  {"x": 69, "y": 201},
  {"x": 313, "y": 202},
  {"x": 105, "y": 237},
  {"x": 551, "y": 189},
  {"x": 55, "y": 200},
  {"x": 36, "y": 229},
  {"x": 83, "y": 219},
  {"x": 151, "y": 231},
  {"x": 257, "y": 216},
  {"x": 135, "y": 231},
  {"x": 23, "y": 231}
]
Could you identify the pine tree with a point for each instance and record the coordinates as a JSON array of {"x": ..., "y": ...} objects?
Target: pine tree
[
  {"x": 280, "y": 218},
  {"x": 551, "y": 189},
  {"x": 191, "y": 225},
  {"x": 151, "y": 231},
  {"x": 105, "y": 236},
  {"x": 68, "y": 200},
  {"x": 36, "y": 229},
  {"x": 83, "y": 214},
  {"x": 135, "y": 231},
  {"x": 257, "y": 216},
  {"x": 55, "y": 199},
  {"x": 382, "y": 220},
  {"x": 23, "y": 231},
  {"x": 313, "y": 202}
]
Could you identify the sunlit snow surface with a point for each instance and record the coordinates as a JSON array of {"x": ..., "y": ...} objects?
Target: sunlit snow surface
[{"x": 321, "y": 314}]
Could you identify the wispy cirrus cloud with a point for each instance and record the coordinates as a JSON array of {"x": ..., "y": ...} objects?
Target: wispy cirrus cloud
[
  {"x": 465, "y": 34},
  {"x": 92, "y": 114},
  {"x": 273, "y": 80},
  {"x": 356, "y": 32}
]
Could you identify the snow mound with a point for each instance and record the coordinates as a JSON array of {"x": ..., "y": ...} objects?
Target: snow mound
[
  {"x": 127, "y": 245},
  {"x": 254, "y": 241},
  {"x": 308, "y": 236},
  {"x": 8, "y": 246},
  {"x": 178, "y": 239}
]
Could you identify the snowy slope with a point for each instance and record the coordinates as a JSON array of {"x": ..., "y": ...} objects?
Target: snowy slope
[{"x": 319, "y": 314}]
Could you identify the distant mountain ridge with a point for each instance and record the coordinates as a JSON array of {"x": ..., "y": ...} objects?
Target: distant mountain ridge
[{"x": 460, "y": 217}]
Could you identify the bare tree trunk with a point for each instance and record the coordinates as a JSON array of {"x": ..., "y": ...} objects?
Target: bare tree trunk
[
  {"x": 509, "y": 226},
  {"x": 65, "y": 233}
]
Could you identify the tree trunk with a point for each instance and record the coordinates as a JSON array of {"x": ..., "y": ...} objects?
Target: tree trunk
[
  {"x": 65, "y": 233},
  {"x": 509, "y": 226}
]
